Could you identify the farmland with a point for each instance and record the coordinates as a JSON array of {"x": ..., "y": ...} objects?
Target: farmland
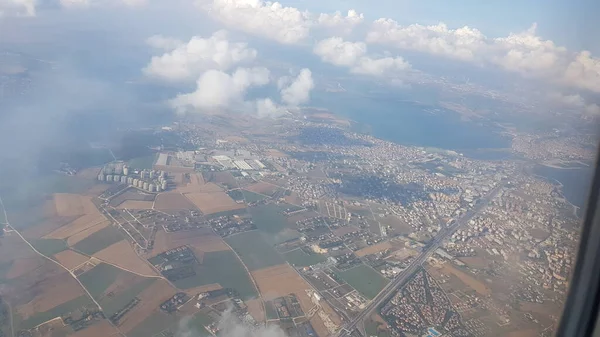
[
  {"x": 268, "y": 218},
  {"x": 78, "y": 225},
  {"x": 213, "y": 202},
  {"x": 223, "y": 268},
  {"x": 70, "y": 259},
  {"x": 254, "y": 251},
  {"x": 201, "y": 240},
  {"x": 45, "y": 291},
  {"x": 364, "y": 279},
  {"x": 122, "y": 254},
  {"x": 172, "y": 201},
  {"x": 299, "y": 258},
  {"x": 57, "y": 311},
  {"x": 282, "y": 280},
  {"x": 150, "y": 300},
  {"x": 49, "y": 247},
  {"x": 113, "y": 288},
  {"x": 153, "y": 324},
  {"x": 99, "y": 240}
]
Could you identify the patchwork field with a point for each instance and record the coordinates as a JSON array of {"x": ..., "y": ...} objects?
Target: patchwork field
[
  {"x": 99, "y": 240},
  {"x": 263, "y": 188},
  {"x": 268, "y": 218},
  {"x": 22, "y": 266},
  {"x": 213, "y": 202},
  {"x": 201, "y": 240},
  {"x": 195, "y": 183},
  {"x": 254, "y": 251},
  {"x": 222, "y": 268},
  {"x": 172, "y": 201},
  {"x": 62, "y": 309},
  {"x": 102, "y": 328},
  {"x": 299, "y": 258},
  {"x": 73, "y": 204},
  {"x": 78, "y": 225},
  {"x": 44, "y": 293},
  {"x": 49, "y": 247},
  {"x": 373, "y": 249},
  {"x": 150, "y": 300},
  {"x": 70, "y": 259},
  {"x": 131, "y": 194},
  {"x": 113, "y": 288},
  {"x": 136, "y": 204},
  {"x": 79, "y": 236},
  {"x": 122, "y": 254},
  {"x": 46, "y": 225},
  {"x": 256, "y": 309},
  {"x": 282, "y": 280},
  {"x": 364, "y": 279}
]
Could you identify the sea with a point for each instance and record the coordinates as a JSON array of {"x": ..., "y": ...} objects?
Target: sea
[
  {"x": 576, "y": 181},
  {"x": 390, "y": 118}
]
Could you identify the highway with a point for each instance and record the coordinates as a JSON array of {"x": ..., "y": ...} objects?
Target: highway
[{"x": 397, "y": 282}]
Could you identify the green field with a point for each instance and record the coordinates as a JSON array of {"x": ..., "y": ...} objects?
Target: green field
[
  {"x": 60, "y": 310},
  {"x": 153, "y": 325},
  {"x": 299, "y": 258},
  {"x": 364, "y": 279},
  {"x": 99, "y": 278},
  {"x": 49, "y": 247},
  {"x": 99, "y": 240},
  {"x": 110, "y": 305},
  {"x": 196, "y": 324},
  {"x": 268, "y": 218},
  {"x": 224, "y": 268},
  {"x": 253, "y": 197},
  {"x": 146, "y": 162},
  {"x": 254, "y": 250},
  {"x": 270, "y": 310},
  {"x": 236, "y": 194}
]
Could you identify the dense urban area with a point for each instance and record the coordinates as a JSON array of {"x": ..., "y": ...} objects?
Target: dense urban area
[{"x": 321, "y": 232}]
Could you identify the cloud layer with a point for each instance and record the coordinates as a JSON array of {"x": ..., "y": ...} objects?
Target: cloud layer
[
  {"x": 353, "y": 55},
  {"x": 524, "y": 53},
  {"x": 187, "y": 61},
  {"x": 216, "y": 89}
]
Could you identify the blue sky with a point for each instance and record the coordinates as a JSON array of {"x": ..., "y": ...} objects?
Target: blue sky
[{"x": 568, "y": 23}]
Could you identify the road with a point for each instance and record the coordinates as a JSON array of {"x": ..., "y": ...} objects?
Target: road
[{"x": 412, "y": 268}]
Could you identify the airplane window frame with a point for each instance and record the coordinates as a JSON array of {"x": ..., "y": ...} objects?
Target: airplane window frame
[{"x": 580, "y": 313}]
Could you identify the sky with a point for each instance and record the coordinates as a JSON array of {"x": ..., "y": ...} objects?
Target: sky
[{"x": 206, "y": 55}]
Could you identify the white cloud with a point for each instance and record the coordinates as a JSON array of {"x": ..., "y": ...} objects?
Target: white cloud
[
  {"x": 17, "y": 7},
  {"x": 379, "y": 67},
  {"x": 339, "y": 22},
  {"x": 575, "y": 101},
  {"x": 263, "y": 18},
  {"x": 189, "y": 60},
  {"x": 88, "y": 3},
  {"x": 267, "y": 108},
  {"x": 162, "y": 42},
  {"x": 437, "y": 39},
  {"x": 592, "y": 109},
  {"x": 338, "y": 52},
  {"x": 74, "y": 3},
  {"x": 354, "y": 56},
  {"x": 525, "y": 53},
  {"x": 584, "y": 71},
  {"x": 298, "y": 91},
  {"x": 216, "y": 89}
]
